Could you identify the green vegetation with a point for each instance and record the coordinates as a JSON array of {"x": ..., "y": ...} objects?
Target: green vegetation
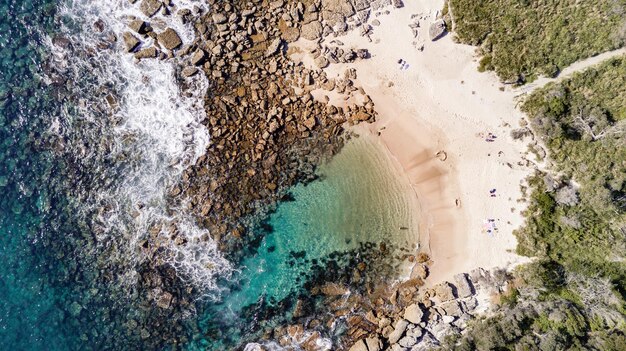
[
  {"x": 578, "y": 218},
  {"x": 572, "y": 297},
  {"x": 521, "y": 39}
]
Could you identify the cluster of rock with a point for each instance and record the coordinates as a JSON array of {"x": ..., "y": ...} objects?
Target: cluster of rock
[
  {"x": 337, "y": 17},
  {"x": 408, "y": 316},
  {"x": 433, "y": 313},
  {"x": 267, "y": 133},
  {"x": 145, "y": 39}
]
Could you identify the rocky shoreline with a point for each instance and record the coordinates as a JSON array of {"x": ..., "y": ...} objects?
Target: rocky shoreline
[
  {"x": 267, "y": 133},
  {"x": 402, "y": 316}
]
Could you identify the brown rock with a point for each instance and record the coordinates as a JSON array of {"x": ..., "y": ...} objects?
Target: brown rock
[
  {"x": 374, "y": 344},
  {"x": 138, "y": 26},
  {"x": 290, "y": 34},
  {"x": 189, "y": 71},
  {"x": 322, "y": 62},
  {"x": 342, "y": 7},
  {"x": 273, "y": 47},
  {"x": 130, "y": 41},
  {"x": 219, "y": 18},
  {"x": 444, "y": 291},
  {"x": 360, "y": 116},
  {"x": 413, "y": 314},
  {"x": 312, "y": 31},
  {"x": 198, "y": 57},
  {"x": 150, "y": 7},
  {"x": 164, "y": 300},
  {"x": 359, "y": 346},
  {"x": 169, "y": 39},
  {"x": 310, "y": 123},
  {"x": 333, "y": 289},
  {"x": 419, "y": 271},
  {"x": 150, "y": 52}
]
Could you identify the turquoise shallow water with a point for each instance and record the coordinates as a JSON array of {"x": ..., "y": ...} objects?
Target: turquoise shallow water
[
  {"x": 59, "y": 289},
  {"x": 358, "y": 199}
]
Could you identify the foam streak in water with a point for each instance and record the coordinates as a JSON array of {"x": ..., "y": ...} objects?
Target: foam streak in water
[{"x": 139, "y": 138}]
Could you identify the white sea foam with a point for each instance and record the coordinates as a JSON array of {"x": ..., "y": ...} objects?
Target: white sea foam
[{"x": 153, "y": 135}]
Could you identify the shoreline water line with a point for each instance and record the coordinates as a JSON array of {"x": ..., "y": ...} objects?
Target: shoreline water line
[{"x": 127, "y": 132}]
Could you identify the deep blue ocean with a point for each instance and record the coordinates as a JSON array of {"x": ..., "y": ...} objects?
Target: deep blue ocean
[
  {"x": 90, "y": 143},
  {"x": 33, "y": 291}
]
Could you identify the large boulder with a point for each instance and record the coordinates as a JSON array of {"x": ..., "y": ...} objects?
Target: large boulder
[
  {"x": 374, "y": 344},
  {"x": 415, "y": 332},
  {"x": 444, "y": 291},
  {"x": 407, "y": 341},
  {"x": 312, "y": 31},
  {"x": 414, "y": 314},
  {"x": 169, "y": 39},
  {"x": 398, "y": 331},
  {"x": 130, "y": 41},
  {"x": 451, "y": 308},
  {"x": 150, "y": 7},
  {"x": 342, "y": 7},
  {"x": 359, "y": 346},
  {"x": 290, "y": 34},
  {"x": 198, "y": 57},
  {"x": 437, "y": 29},
  {"x": 138, "y": 26},
  {"x": 150, "y": 52},
  {"x": 463, "y": 286}
]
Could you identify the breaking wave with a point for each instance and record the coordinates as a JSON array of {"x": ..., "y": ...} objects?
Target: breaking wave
[{"x": 133, "y": 129}]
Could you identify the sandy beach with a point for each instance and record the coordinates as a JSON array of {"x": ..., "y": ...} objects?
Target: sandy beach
[{"x": 447, "y": 126}]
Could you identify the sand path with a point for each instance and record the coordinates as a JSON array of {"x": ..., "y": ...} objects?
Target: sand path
[{"x": 571, "y": 70}]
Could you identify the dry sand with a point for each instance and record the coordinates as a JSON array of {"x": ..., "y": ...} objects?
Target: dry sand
[{"x": 442, "y": 103}]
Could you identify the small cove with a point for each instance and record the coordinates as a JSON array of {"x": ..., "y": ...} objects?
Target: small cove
[{"x": 358, "y": 199}]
